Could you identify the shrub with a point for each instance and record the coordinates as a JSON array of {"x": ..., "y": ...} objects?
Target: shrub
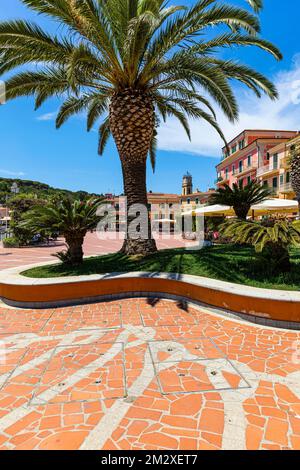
[
  {"x": 11, "y": 242},
  {"x": 271, "y": 241}
]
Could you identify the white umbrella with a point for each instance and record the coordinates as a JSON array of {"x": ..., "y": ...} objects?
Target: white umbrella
[
  {"x": 165, "y": 220},
  {"x": 214, "y": 209},
  {"x": 276, "y": 205}
]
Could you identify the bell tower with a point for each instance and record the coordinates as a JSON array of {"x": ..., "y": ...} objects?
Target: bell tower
[{"x": 187, "y": 184}]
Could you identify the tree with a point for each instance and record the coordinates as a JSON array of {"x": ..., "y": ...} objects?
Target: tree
[
  {"x": 19, "y": 205},
  {"x": 134, "y": 62},
  {"x": 240, "y": 197},
  {"x": 272, "y": 240},
  {"x": 72, "y": 219},
  {"x": 295, "y": 170}
]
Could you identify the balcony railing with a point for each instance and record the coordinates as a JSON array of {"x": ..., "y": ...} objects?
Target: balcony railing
[
  {"x": 286, "y": 187},
  {"x": 245, "y": 169},
  {"x": 263, "y": 170},
  {"x": 222, "y": 180}
]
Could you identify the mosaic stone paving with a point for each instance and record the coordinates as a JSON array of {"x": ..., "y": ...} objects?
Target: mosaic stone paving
[{"x": 145, "y": 374}]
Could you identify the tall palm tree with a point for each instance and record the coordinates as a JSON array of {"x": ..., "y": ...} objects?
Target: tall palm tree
[
  {"x": 134, "y": 61},
  {"x": 240, "y": 197},
  {"x": 72, "y": 219},
  {"x": 295, "y": 170}
]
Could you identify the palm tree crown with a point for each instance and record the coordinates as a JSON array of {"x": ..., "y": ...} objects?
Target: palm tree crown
[
  {"x": 133, "y": 63},
  {"x": 112, "y": 46},
  {"x": 240, "y": 197},
  {"x": 72, "y": 219}
]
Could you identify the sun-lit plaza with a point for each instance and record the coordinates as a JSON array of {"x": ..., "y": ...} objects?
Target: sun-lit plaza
[{"x": 146, "y": 374}]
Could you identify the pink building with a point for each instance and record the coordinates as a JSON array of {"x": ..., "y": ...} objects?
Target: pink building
[{"x": 248, "y": 152}]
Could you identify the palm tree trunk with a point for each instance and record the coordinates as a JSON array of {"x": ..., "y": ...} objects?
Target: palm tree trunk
[
  {"x": 75, "y": 250},
  {"x": 241, "y": 211},
  {"x": 132, "y": 125},
  {"x": 139, "y": 238}
]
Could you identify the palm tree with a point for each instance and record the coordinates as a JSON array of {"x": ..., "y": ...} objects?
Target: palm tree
[
  {"x": 134, "y": 62},
  {"x": 295, "y": 170},
  {"x": 240, "y": 197},
  {"x": 272, "y": 241},
  {"x": 72, "y": 219}
]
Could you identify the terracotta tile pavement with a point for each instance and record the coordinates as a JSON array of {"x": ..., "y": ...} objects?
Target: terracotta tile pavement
[
  {"x": 144, "y": 374},
  {"x": 13, "y": 257}
]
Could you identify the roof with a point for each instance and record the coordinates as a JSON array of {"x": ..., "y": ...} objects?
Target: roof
[
  {"x": 258, "y": 130},
  {"x": 233, "y": 156},
  {"x": 200, "y": 193}
]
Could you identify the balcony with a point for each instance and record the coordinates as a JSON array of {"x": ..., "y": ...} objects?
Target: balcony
[
  {"x": 267, "y": 169},
  {"x": 245, "y": 170},
  {"x": 286, "y": 188},
  {"x": 222, "y": 180}
]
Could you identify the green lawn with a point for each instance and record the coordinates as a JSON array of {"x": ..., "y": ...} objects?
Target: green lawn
[{"x": 225, "y": 262}]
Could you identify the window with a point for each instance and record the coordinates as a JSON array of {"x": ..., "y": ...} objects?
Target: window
[
  {"x": 287, "y": 177},
  {"x": 240, "y": 166},
  {"x": 233, "y": 149},
  {"x": 275, "y": 161},
  {"x": 275, "y": 182},
  {"x": 281, "y": 180},
  {"x": 249, "y": 159},
  {"x": 233, "y": 169},
  {"x": 241, "y": 144},
  {"x": 226, "y": 173},
  {"x": 249, "y": 179}
]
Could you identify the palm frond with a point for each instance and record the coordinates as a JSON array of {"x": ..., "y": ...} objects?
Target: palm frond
[{"x": 104, "y": 134}]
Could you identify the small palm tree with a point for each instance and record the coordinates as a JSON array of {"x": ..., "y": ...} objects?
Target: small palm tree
[
  {"x": 240, "y": 197},
  {"x": 132, "y": 62},
  {"x": 295, "y": 170},
  {"x": 272, "y": 240},
  {"x": 72, "y": 219}
]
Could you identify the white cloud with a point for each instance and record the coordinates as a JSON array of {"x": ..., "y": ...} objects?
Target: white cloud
[
  {"x": 283, "y": 113},
  {"x": 11, "y": 173},
  {"x": 47, "y": 117}
]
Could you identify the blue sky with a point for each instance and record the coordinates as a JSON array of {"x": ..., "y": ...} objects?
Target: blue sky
[{"x": 31, "y": 148}]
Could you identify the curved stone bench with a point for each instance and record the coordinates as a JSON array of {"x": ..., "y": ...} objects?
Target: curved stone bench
[{"x": 278, "y": 305}]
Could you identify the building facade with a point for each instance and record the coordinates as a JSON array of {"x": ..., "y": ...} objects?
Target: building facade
[{"x": 261, "y": 155}]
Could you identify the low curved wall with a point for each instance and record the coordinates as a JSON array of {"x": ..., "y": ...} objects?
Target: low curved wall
[{"x": 40, "y": 293}]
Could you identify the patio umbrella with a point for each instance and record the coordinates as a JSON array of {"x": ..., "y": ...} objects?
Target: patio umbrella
[
  {"x": 276, "y": 205},
  {"x": 214, "y": 210},
  {"x": 165, "y": 220}
]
